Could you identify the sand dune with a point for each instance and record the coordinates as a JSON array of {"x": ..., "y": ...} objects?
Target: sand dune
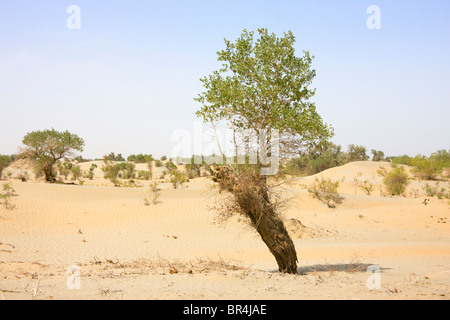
[{"x": 127, "y": 250}]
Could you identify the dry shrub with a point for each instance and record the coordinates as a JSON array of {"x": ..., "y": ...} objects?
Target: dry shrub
[{"x": 326, "y": 191}]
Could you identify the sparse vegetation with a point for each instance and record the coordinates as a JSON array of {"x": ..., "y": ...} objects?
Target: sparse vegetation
[
  {"x": 326, "y": 191},
  {"x": 76, "y": 172},
  {"x": 364, "y": 185},
  {"x": 7, "y": 192},
  {"x": 144, "y": 175},
  {"x": 437, "y": 191},
  {"x": 177, "y": 178},
  {"x": 154, "y": 194},
  {"x": 395, "y": 181},
  {"x": 170, "y": 165}
]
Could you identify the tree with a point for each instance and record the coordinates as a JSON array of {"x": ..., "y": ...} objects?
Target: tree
[
  {"x": 48, "y": 146},
  {"x": 357, "y": 153},
  {"x": 263, "y": 86},
  {"x": 377, "y": 155}
]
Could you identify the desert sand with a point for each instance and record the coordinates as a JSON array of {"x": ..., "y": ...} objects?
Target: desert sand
[{"x": 175, "y": 249}]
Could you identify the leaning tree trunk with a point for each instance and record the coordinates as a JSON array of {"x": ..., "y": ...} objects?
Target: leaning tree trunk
[
  {"x": 251, "y": 198},
  {"x": 255, "y": 203}
]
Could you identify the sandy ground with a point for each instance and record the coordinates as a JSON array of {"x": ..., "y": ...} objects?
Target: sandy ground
[{"x": 124, "y": 249}]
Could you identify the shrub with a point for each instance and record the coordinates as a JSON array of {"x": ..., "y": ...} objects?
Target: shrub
[
  {"x": 405, "y": 160},
  {"x": 170, "y": 165},
  {"x": 90, "y": 175},
  {"x": 437, "y": 191},
  {"x": 111, "y": 172},
  {"x": 64, "y": 169},
  {"x": 326, "y": 191},
  {"x": 396, "y": 181},
  {"x": 177, "y": 178},
  {"x": 425, "y": 168},
  {"x": 158, "y": 163},
  {"x": 140, "y": 158},
  {"x": 8, "y": 191},
  {"x": 76, "y": 172},
  {"x": 144, "y": 175},
  {"x": 154, "y": 194},
  {"x": 364, "y": 185}
]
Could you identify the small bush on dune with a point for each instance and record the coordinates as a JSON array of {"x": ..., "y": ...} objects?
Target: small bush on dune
[
  {"x": 177, "y": 178},
  {"x": 363, "y": 185},
  {"x": 437, "y": 190},
  {"x": 326, "y": 191},
  {"x": 396, "y": 181},
  {"x": 7, "y": 193},
  {"x": 158, "y": 163},
  {"x": 144, "y": 175},
  {"x": 76, "y": 172},
  {"x": 64, "y": 169},
  {"x": 170, "y": 165},
  {"x": 154, "y": 194},
  {"x": 425, "y": 168}
]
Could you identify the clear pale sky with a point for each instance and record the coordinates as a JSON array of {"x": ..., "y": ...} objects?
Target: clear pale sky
[{"x": 126, "y": 80}]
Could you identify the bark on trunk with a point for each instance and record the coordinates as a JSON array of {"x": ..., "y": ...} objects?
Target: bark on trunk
[
  {"x": 49, "y": 174},
  {"x": 273, "y": 232}
]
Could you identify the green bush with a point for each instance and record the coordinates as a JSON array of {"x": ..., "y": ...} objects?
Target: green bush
[
  {"x": 6, "y": 195},
  {"x": 170, "y": 165},
  {"x": 425, "y": 168},
  {"x": 140, "y": 158},
  {"x": 396, "y": 181},
  {"x": 405, "y": 160},
  {"x": 437, "y": 190},
  {"x": 76, "y": 172},
  {"x": 177, "y": 178},
  {"x": 144, "y": 175}
]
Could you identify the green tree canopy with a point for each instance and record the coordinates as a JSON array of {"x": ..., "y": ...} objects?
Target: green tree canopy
[
  {"x": 263, "y": 85},
  {"x": 49, "y": 146}
]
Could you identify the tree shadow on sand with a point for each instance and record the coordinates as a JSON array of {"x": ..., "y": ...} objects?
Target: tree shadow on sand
[{"x": 341, "y": 267}]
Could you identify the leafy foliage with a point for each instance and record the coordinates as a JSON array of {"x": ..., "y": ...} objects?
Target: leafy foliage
[
  {"x": 396, "y": 180},
  {"x": 48, "y": 146},
  {"x": 263, "y": 85}
]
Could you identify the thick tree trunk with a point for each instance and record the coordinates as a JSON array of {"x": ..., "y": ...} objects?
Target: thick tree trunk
[
  {"x": 49, "y": 174},
  {"x": 251, "y": 198},
  {"x": 280, "y": 244},
  {"x": 272, "y": 230}
]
